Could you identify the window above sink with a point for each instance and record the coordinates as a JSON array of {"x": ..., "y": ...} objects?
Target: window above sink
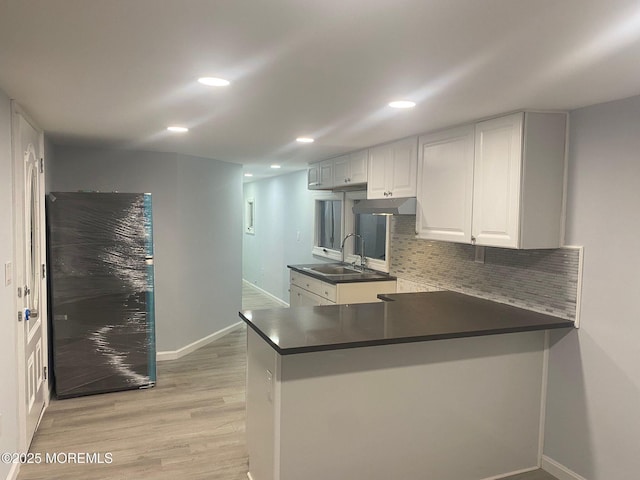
[{"x": 334, "y": 219}]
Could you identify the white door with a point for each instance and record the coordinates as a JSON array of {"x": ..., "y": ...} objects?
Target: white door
[
  {"x": 358, "y": 166},
  {"x": 31, "y": 289},
  {"x": 496, "y": 181},
  {"x": 445, "y": 185},
  {"x": 341, "y": 170},
  {"x": 405, "y": 168},
  {"x": 380, "y": 158}
]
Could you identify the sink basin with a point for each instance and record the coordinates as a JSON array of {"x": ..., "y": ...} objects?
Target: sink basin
[{"x": 334, "y": 270}]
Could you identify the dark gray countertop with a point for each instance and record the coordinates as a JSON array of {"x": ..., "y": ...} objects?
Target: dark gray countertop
[
  {"x": 367, "y": 276},
  {"x": 407, "y": 317}
]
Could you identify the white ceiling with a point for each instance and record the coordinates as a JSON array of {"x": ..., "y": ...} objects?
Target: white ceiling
[{"x": 118, "y": 72}]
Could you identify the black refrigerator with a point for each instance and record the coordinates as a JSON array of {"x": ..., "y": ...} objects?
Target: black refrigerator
[{"x": 100, "y": 248}]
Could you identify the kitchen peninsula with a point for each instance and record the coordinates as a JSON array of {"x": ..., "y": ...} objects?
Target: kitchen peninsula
[{"x": 434, "y": 385}]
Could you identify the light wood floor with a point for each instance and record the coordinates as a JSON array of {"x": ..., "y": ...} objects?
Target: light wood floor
[{"x": 190, "y": 426}]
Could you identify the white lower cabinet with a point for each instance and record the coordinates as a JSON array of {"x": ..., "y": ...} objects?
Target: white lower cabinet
[
  {"x": 307, "y": 291},
  {"x": 497, "y": 183}
]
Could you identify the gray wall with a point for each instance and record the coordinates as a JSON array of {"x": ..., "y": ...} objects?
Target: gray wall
[
  {"x": 593, "y": 406},
  {"x": 283, "y": 207},
  {"x": 196, "y": 213},
  {"x": 8, "y": 325}
]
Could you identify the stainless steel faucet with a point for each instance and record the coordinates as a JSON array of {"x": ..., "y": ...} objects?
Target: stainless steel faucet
[{"x": 363, "y": 260}]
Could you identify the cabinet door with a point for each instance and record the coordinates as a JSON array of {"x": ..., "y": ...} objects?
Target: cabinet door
[
  {"x": 404, "y": 168},
  {"x": 445, "y": 185},
  {"x": 358, "y": 167},
  {"x": 380, "y": 168},
  {"x": 313, "y": 177},
  {"x": 341, "y": 170},
  {"x": 298, "y": 297},
  {"x": 496, "y": 186},
  {"x": 326, "y": 175}
]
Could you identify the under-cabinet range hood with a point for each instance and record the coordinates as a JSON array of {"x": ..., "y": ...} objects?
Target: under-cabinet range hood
[{"x": 387, "y": 206}]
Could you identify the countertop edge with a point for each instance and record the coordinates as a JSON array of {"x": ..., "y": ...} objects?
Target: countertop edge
[{"x": 400, "y": 340}]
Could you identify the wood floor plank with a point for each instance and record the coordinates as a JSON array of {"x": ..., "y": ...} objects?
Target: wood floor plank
[{"x": 190, "y": 426}]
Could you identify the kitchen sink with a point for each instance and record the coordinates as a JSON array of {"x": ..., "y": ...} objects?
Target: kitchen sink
[{"x": 334, "y": 270}]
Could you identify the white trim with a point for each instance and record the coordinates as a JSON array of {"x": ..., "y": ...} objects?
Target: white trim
[
  {"x": 249, "y": 476},
  {"x": 558, "y": 470},
  {"x": 264, "y": 292},
  {"x": 517, "y": 472},
  {"x": 192, "y": 347},
  {"x": 579, "y": 286},
  {"x": 13, "y": 472},
  {"x": 543, "y": 395}
]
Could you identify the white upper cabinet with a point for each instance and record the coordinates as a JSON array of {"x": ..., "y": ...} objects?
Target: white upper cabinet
[
  {"x": 392, "y": 169},
  {"x": 519, "y": 179},
  {"x": 445, "y": 185},
  {"x": 350, "y": 169},
  {"x": 499, "y": 184},
  {"x": 497, "y": 181},
  {"x": 320, "y": 175}
]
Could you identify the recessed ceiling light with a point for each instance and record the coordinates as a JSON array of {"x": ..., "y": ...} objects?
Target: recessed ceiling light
[
  {"x": 304, "y": 140},
  {"x": 214, "y": 81},
  {"x": 248, "y": 174},
  {"x": 402, "y": 104},
  {"x": 178, "y": 129},
  {"x": 275, "y": 166}
]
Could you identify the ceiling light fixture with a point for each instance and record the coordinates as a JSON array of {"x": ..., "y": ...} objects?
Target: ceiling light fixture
[
  {"x": 214, "y": 81},
  {"x": 304, "y": 140},
  {"x": 177, "y": 129},
  {"x": 248, "y": 174},
  {"x": 275, "y": 166},
  {"x": 402, "y": 104}
]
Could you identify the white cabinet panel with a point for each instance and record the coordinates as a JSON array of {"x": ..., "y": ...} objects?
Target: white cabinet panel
[
  {"x": 380, "y": 170},
  {"x": 320, "y": 175},
  {"x": 404, "y": 168},
  {"x": 393, "y": 169},
  {"x": 358, "y": 164},
  {"x": 497, "y": 174},
  {"x": 350, "y": 169},
  {"x": 445, "y": 184},
  {"x": 299, "y": 297}
]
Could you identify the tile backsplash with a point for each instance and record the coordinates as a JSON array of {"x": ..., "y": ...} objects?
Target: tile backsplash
[{"x": 541, "y": 280}]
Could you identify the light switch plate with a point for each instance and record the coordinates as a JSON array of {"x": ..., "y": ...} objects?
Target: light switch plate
[{"x": 8, "y": 274}]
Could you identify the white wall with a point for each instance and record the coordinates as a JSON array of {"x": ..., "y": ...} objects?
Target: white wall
[
  {"x": 284, "y": 208},
  {"x": 197, "y": 248},
  {"x": 210, "y": 213},
  {"x": 8, "y": 323},
  {"x": 593, "y": 406}
]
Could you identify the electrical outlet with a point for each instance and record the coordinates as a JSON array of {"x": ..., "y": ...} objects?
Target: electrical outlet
[
  {"x": 8, "y": 274},
  {"x": 479, "y": 254}
]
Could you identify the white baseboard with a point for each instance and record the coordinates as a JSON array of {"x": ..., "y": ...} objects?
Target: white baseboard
[
  {"x": 510, "y": 474},
  {"x": 13, "y": 472},
  {"x": 192, "y": 347},
  {"x": 273, "y": 297},
  {"x": 558, "y": 470}
]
